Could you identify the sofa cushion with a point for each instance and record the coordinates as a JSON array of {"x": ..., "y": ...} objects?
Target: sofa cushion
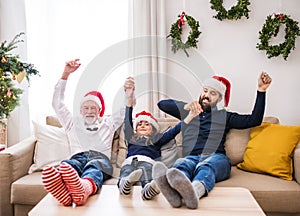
[
  {"x": 28, "y": 190},
  {"x": 237, "y": 140},
  {"x": 297, "y": 163},
  {"x": 235, "y": 145},
  {"x": 272, "y": 194},
  {"x": 270, "y": 150},
  {"x": 51, "y": 146}
]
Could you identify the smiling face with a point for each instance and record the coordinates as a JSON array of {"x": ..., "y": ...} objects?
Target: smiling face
[
  {"x": 209, "y": 98},
  {"x": 90, "y": 112},
  {"x": 144, "y": 128}
]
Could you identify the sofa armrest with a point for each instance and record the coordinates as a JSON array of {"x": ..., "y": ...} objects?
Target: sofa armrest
[
  {"x": 15, "y": 162},
  {"x": 297, "y": 163}
]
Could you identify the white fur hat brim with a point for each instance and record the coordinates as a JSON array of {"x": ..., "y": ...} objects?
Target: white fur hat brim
[
  {"x": 215, "y": 84},
  {"x": 92, "y": 98},
  {"x": 148, "y": 119}
]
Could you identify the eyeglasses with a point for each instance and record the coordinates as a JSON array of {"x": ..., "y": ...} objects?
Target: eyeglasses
[{"x": 87, "y": 108}]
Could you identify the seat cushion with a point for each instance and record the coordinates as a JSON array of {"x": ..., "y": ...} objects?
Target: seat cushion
[
  {"x": 28, "y": 190},
  {"x": 273, "y": 194}
]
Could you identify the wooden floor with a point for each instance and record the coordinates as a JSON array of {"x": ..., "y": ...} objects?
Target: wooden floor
[{"x": 221, "y": 201}]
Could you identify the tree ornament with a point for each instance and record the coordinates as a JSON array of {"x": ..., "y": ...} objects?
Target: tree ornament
[
  {"x": 176, "y": 31},
  {"x": 235, "y": 12},
  {"x": 20, "y": 76},
  {"x": 271, "y": 28}
]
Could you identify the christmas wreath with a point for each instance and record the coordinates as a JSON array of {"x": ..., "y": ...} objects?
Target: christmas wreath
[
  {"x": 271, "y": 28},
  {"x": 176, "y": 31},
  {"x": 12, "y": 70},
  {"x": 234, "y": 13}
]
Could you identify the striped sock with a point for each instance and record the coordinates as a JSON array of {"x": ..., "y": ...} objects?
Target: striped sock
[
  {"x": 127, "y": 182},
  {"x": 150, "y": 190},
  {"x": 80, "y": 188},
  {"x": 54, "y": 184}
]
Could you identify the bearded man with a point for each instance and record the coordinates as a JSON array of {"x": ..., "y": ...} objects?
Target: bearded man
[{"x": 205, "y": 161}]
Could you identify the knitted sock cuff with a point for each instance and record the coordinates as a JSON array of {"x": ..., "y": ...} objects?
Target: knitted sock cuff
[{"x": 95, "y": 188}]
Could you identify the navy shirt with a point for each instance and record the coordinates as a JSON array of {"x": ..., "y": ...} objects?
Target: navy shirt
[
  {"x": 147, "y": 146},
  {"x": 206, "y": 133}
]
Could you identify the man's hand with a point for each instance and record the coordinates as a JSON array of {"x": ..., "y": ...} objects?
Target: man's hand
[
  {"x": 129, "y": 88},
  {"x": 194, "y": 108},
  {"x": 194, "y": 105},
  {"x": 264, "y": 82},
  {"x": 70, "y": 67}
]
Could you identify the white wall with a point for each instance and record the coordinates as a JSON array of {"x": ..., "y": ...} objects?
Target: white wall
[{"x": 229, "y": 47}]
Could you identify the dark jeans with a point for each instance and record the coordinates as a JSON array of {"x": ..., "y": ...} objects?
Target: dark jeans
[
  {"x": 93, "y": 165},
  {"x": 208, "y": 169},
  {"x": 145, "y": 166}
]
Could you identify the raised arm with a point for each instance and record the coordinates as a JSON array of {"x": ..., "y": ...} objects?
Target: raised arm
[
  {"x": 255, "y": 118},
  {"x": 129, "y": 88},
  {"x": 62, "y": 112}
]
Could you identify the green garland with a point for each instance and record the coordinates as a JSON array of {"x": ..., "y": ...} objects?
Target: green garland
[
  {"x": 271, "y": 28},
  {"x": 176, "y": 31},
  {"x": 12, "y": 70},
  {"x": 235, "y": 12}
]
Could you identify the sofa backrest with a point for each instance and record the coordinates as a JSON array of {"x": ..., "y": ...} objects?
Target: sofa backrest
[{"x": 235, "y": 144}]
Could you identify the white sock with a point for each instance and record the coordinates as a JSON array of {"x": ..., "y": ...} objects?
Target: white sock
[{"x": 199, "y": 189}]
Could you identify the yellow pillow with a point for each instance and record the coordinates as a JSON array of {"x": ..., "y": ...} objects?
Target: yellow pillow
[{"x": 270, "y": 150}]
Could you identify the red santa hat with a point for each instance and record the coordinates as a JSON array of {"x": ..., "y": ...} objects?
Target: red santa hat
[
  {"x": 96, "y": 97},
  {"x": 146, "y": 116},
  {"x": 222, "y": 85}
]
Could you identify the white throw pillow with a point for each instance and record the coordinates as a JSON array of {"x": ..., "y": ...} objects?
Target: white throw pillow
[{"x": 51, "y": 146}]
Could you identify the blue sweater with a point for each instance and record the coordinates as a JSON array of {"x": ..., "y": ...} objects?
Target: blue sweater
[
  {"x": 147, "y": 146},
  {"x": 206, "y": 133}
]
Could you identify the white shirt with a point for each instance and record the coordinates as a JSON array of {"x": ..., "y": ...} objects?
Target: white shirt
[{"x": 81, "y": 139}]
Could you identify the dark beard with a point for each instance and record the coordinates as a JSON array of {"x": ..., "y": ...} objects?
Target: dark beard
[{"x": 205, "y": 108}]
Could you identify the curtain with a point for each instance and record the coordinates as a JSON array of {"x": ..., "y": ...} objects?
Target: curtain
[
  {"x": 63, "y": 30},
  {"x": 12, "y": 22},
  {"x": 57, "y": 31},
  {"x": 148, "y": 25}
]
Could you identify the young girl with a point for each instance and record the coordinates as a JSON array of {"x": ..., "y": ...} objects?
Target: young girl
[{"x": 144, "y": 148}]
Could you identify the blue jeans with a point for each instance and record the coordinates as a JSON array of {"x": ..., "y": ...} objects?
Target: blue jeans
[
  {"x": 208, "y": 169},
  {"x": 146, "y": 167},
  {"x": 93, "y": 165}
]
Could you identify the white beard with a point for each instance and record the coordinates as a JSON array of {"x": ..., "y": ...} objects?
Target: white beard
[{"x": 90, "y": 120}]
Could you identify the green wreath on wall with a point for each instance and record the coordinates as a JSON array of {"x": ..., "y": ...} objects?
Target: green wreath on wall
[
  {"x": 235, "y": 12},
  {"x": 271, "y": 28},
  {"x": 176, "y": 31}
]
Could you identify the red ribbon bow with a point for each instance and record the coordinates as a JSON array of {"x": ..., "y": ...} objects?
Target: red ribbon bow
[
  {"x": 281, "y": 16},
  {"x": 181, "y": 20}
]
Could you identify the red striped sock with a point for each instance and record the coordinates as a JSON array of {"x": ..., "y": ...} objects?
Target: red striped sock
[
  {"x": 54, "y": 184},
  {"x": 80, "y": 188}
]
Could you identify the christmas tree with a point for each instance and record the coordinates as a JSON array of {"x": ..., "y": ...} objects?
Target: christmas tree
[{"x": 12, "y": 70}]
